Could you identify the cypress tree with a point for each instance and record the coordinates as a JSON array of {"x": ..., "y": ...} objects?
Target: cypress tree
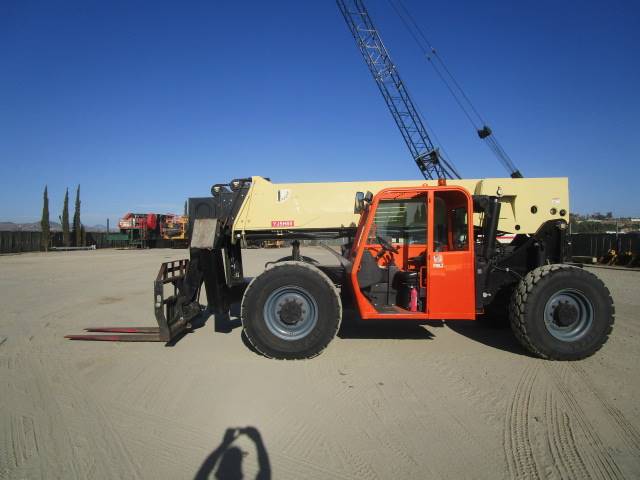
[
  {"x": 44, "y": 223},
  {"x": 185, "y": 208},
  {"x": 83, "y": 235},
  {"x": 77, "y": 233},
  {"x": 65, "y": 220}
]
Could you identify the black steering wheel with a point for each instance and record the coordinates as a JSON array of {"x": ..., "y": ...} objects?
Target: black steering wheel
[{"x": 386, "y": 244}]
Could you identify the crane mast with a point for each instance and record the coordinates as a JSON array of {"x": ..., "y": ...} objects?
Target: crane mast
[{"x": 428, "y": 158}]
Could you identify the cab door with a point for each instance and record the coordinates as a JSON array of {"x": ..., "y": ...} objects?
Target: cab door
[
  {"x": 450, "y": 255},
  {"x": 397, "y": 218}
]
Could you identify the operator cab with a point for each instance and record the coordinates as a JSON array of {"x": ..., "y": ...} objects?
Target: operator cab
[{"x": 406, "y": 241}]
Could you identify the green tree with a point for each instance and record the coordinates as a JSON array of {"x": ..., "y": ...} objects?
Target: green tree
[
  {"x": 185, "y": 208},
  {"x": 83, "y": 236},
  {"x": 65, "y": 220},
  {"x": 77, "y": 224},
  {"x": 44, "y": 223}
]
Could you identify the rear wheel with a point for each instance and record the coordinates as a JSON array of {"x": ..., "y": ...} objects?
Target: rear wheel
[
  {"x": 291, "y": 311},
  {"x": 561, "y": 312}
]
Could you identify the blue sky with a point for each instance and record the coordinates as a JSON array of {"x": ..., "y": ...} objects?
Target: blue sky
[{"x": 147, "y": 103}]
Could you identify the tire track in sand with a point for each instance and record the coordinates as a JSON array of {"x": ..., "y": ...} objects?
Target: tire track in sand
[
  {"x": 307, "y": 448},
  {"x": 595, "y": 455},
  {"x": 561, "y": 440},
  {"x": 517, "y": 443},
  {"x": 73, "y": 437},
  {"x": 629, "y": 433},
  {"x": 576, "y": 447}
]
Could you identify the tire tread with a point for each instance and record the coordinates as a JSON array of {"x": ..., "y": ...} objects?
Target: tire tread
[
  {"x": 518, "y": 308},
  {"x": 275, "y": 267}
]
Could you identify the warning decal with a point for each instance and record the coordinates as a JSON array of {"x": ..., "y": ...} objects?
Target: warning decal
[{"x": 282, "y": 223}]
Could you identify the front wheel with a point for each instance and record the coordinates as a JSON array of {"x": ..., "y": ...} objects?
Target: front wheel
[
  {"x": 561, "y": 312},
  {"x": 291, "y": 311}
]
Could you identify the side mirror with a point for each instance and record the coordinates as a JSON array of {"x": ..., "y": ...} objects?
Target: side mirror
[
  {"x": 359, "y": 204},
  {"x": 368, "y": 197}
]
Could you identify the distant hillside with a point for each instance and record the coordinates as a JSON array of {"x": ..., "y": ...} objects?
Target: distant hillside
[{"x": 35, "y": 227}]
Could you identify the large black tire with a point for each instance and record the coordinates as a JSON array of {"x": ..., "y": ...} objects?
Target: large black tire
[
  {"x": 561, "y": 312},
  {"x": 291, "y": 311}
]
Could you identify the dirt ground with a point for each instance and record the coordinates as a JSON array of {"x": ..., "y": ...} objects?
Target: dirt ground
[{"x": 454, "y": 401}]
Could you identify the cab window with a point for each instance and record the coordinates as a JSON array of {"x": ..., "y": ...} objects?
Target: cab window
[
  {"x": 451, "y": 221},
  {"x": 400, "y": 221}
]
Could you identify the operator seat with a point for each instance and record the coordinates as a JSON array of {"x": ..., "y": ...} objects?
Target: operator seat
[{"x": 370, "y": 272}]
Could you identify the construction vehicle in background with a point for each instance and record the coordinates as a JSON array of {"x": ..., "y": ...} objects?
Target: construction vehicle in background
[
  {"x": 149, "y": 230},
  {"x": 431, "y": 160},
  {"x": 415, "y": 251},
  {"x": 173, "y": 230},
  {"x": 140, "y": 230}
]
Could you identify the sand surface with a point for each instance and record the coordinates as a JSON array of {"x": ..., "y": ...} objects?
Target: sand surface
[{"x": 455, "y": 401}]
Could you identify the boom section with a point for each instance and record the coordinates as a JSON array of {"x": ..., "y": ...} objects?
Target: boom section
[
  {"x": 311, "y": 210},
  {"x": 395, "y": 94}
]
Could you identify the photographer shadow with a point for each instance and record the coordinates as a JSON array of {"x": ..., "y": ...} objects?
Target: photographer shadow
[{"x": 225, "y": 462}]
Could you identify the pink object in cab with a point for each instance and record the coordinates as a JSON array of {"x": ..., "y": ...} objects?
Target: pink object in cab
[{"x": 413, "y": 300}]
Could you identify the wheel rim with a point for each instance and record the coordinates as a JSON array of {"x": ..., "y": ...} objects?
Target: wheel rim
[
  {"x": 290, "y": 313},
  {"x": 568, "y": 315}
]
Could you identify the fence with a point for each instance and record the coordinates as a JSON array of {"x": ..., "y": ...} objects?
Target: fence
[
  {"x": 599, "y": 244},
  {"x": 11, "y": 242},
  {"x": 15, "y": 242}
]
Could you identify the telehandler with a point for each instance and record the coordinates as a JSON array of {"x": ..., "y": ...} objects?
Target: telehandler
[{"x": 419, "y": 251}]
